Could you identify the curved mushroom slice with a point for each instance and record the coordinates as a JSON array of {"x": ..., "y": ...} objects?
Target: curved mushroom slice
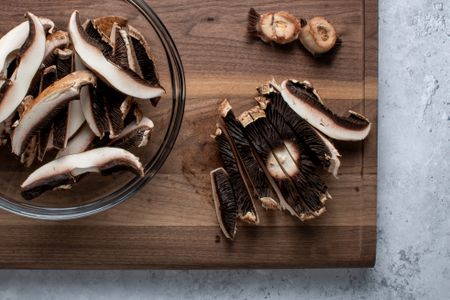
[
  {"x": 46, "y": 105},
  {"x": 101, "y": 41},
  {"x": 134, "y": 135},
  {"x": 64, "y": 62},
  {"x": 81, "y": 142},
  {"x": 59, "y": 39},
  {"x": 261, "y": 184},
  {"x": 125, "y": 81},
  {"x": 31, "y": 55},
  {"x": 13, "y": 40},
  {"x": 68, "y": 169},
  {"x": 112, "y": 101},
  {"x": 319, "y": 147},
  {"x": 299, "y": 96},
  {"x": 224, "y": 202},
  {"x": 247, "y": 211}
]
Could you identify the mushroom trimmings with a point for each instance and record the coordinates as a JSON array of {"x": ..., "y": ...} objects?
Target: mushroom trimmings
[
  {"x": 75, "y": 95},
  {"x": 279, "y": 149}
]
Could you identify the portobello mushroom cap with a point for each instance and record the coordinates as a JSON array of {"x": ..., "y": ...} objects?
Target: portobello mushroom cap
[
  {"x": 68, "y": 169},
  {"x": 225, "y": 202},
  {"x": 300, "y": 97},
  {"x": 30, "y": 58},
  {"x": 124, "y": 80},
  {"x": 47, "y": 105}
]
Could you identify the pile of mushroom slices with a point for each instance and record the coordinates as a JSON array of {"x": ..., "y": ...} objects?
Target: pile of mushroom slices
[
  {"x": 78, "y": 94},
  {"x": 276, "y": 154}
]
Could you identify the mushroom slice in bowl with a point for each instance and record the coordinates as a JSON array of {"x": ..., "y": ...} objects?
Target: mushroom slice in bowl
[
  {"x": 261, "y": 184},
  {"x": 224, "y": 202},
  {"x": 105, "y": 25},
  {"x": 243, "y": 194},
  {"x": 134, "y": 135},
  {"x": 124, "y": 80},
  {"x": 30, "y": 58},
  {"x": 300, "y": 96},
  {"x": 67, "y": 170},
  {"x": 81, "y": 142},
  {"x": 59, "y": 39},
  {"x": 75, "y": 118},
  {"x": 47, "y": 105}
]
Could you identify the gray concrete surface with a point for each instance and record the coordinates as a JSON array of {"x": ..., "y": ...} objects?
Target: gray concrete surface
[{"x": 413, "y": 216}]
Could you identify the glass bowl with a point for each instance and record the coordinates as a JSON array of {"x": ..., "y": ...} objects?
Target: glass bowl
[{"x": 96, "y": 193}]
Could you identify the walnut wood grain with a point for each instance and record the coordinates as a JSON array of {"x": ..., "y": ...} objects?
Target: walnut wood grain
[{"x": 171, "y": 222}]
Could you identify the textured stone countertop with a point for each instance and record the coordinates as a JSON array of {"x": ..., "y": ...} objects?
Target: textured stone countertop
[{"x": 413, "y": 260}]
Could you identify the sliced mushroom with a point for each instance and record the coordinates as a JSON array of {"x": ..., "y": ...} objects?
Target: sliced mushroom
[
  {"x": 286, "y": 161},
  {"x": 121, "y": 79},
  {"x": 257, "y": 178},
  {"x": 300, "y": 97},
  {"x": 104, "y": 25},
  {"x": 68, "y": 169},
  {"x": 29, "y": 155},
  {"x": 280, "y": 27},
  {"x": 134, "y": 135},
  {"x": 64, "y": 62},
  {"x": 12, "y": 41},
  {"x": 81, "y": 142},
  {"x": 75, "y": 118},
  {"x": 224, "y": 202},
  {"x": 247, "y": 211},
  {"x": 30, "y": 58},
  {"x": 59, "y": 39},
  {"x": 46, "y": 105},
  {"x": 319, "y": 148},
  {"x": 112, "y": 101},
  {"x": 318, "y": 36},
  {"x": 60, "y": 123}
]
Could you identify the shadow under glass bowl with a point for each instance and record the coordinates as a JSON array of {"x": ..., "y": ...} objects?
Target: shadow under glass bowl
[{"x": 96, "y": 193}]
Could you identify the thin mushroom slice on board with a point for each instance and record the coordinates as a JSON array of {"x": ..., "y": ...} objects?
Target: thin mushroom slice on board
[
  {"x": 224, "y": 202},
  {"x": 262, "y": 186},
  {"x": 30, "y": 58},
  {"x": 67, "y": 170},
  {"x": 125, "y": 81},
  {"x": 300, "y": 97},
  {"x": 47, "y": 105},
  {"x": 247, "y": 210}
]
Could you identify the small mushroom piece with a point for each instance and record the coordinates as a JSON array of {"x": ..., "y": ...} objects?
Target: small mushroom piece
[
  {"x": 224, "y": 202},
  {"x": 261, "y": 184},
  {"x": 30, "y": 58},
  {"x": 301, "y": 99},
  {"x": 319, "y": 147},
  {"x": 75, "y": 118},
  {"x": 125, "y": 81},
  {"x": 318, "y": 36},
  {"x": 134, "y": 135},
  {"x": 280, "y": 27},
  {"x": 247, "y": 211},
  {"x": 59, "y": 39},
  {"x": 81, "y": 142},
  {"x": 68, "y": 169},
  {"x": 47, "y": 105}
]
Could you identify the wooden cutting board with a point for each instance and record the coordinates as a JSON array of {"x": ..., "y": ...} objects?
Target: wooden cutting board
[{"x": 171, "y": 223}]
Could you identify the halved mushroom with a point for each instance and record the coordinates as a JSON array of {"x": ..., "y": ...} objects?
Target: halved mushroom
[
  {"x": 81, "y": 142},
  {"x": 125, "y": 81},
  {"x": 30, "y": 58},
  {"x": 319, "y": 148},
  {"x": 318, "y": 36},
  {"x": 46, "y": 105},
  {"x": 257, "y": 178},
  {"x": 280, "y": 27},
  {"x": 134, "y": 135},
  {"x": 67, "y": 170},
  {"x": 301, "y": 99},
  {"x": 225, "y": 202},
  {"x": 247, "y": 211}
]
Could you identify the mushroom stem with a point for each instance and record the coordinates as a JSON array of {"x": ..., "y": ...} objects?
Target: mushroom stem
[{"x": 318, "y": 36}]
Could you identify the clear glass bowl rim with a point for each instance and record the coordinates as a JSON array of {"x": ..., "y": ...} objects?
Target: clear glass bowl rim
[{"x": 176, "y": 118}]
